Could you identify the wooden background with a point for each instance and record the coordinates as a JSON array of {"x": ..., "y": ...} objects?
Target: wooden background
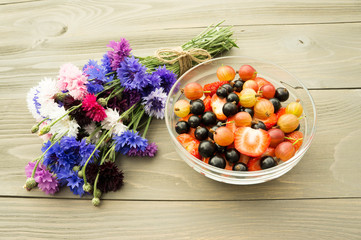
[{"x": 317, "y": 41}]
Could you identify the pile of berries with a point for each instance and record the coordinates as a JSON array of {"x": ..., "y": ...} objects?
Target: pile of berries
[{"x": 238, "y": 124}]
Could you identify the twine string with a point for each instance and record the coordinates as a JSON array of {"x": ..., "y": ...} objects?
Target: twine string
[{"x": 184, "y": 57}]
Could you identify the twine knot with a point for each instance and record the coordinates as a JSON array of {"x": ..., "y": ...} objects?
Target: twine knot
[{"x": 184, "y": 57}]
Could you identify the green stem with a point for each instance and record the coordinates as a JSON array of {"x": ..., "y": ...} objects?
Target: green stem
[
  {"x": 102, "y": 161},
  {"x": 67, "y": 113},
  {"x": 94, "y": 132},
  {"x": 139, "y": 116},
  {"x": 146, "y": 127},
  {"x": 91, "y": 155}
]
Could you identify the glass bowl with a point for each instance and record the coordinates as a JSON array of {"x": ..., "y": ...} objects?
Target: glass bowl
[{"x": 206, "y": 73}]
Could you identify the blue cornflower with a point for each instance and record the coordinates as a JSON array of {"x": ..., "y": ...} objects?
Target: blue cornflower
[
  {"x": 106, "y": 63},
  {"x": 50, "y": 157},
  {"x": 85, "y": 151},
  {"x": 154, "y": 103},
  {"x": 96, "y": 75},
  {"x": 132, "y": 74},
  {"x": 154, "y": 82},
  {"x": 129, "y": 140},
  {"x": 167, "y": 77},
  {"x": 75, "y": 184}
]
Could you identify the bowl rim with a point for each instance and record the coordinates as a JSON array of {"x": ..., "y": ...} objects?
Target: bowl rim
[{"x": 263, "y": 172}]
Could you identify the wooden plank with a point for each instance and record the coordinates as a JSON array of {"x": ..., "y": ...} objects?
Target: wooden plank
[
  {"x": 295, "y": 219},
  {"x": 39, "y": 36},
  {"x": 329, "y": 169},
  {"x": 307, "y": 51}
]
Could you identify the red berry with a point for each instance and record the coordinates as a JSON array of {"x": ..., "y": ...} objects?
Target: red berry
[
  {"x": 277, "y": 136},
  {"x": 251, "y": 142},
  {"x": 211, "y": 88},
  {"x": 261, "y": 82},
  {"x": 231, "y": 123},
  {"x": 193, "y": 91},
  {"x": 251, "y": 84},
  {"x": 223, "y": 136},
  {"x": 207, "y": 104},
  {"x": 281, "y": 112},
  {"x": 254, "y": 164},
  {"x": 247, "y": 72},
  {"x": 226, "y": 73},
  {"x": 285, "y": 151},
  {"x": 268, "y": 91},
  {"x": 190, "y": 144},
  {"x": 217, "y": 106}
]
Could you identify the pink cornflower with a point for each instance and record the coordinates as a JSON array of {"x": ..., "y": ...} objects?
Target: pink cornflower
[
  {"x": 72, "y": 79},
  {"x": 93, "y": 109},
  {"x": 45, "y": 179}
]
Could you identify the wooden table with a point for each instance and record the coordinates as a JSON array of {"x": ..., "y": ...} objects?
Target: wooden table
[{"x": 163, "y": 198}]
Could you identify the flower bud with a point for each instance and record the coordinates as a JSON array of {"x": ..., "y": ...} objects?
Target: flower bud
[
  {"x": 44, "y": 130},
  {"x": 30, "y": 183},
  {"x": 80, "y": 174},
  {"x": 60, "y": 96},
  {"x": 97, "y": 193},
  {"x": 102, "y": 102},
  {"x": 87, "y": 187},
  {"x": 96, "y": 201},
  {"x": 76, "y": 168},
  {"x": 35, "y": 128}
]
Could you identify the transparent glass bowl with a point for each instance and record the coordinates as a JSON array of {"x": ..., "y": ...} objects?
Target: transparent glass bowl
[{"x": 206, "y": 73}]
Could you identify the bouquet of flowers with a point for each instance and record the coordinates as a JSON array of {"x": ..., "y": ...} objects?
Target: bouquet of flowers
[{"x": 88, "y": 116}]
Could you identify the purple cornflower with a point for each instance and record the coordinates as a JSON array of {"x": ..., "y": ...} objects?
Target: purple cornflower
[
  {"x": 120, "y": 51},
  {"x": 167, "y": 78},
  {"x": 149, "y": 151},
  {"x": 154, "y": 104},
  {"x": 45, "y": 179},
  {"x": 129, "y": 140},
  {"x": 132, "y": 74}
]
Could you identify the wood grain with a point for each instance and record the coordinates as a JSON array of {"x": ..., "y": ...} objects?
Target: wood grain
[
  {"x": 330, "y": 168},
  {"x": 319, "y": 42},
  {"x": 292, "y": 219}
]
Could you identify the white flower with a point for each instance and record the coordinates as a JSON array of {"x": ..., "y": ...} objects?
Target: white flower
[
  {"x": 111, "y": 120},
  {"x": 90, "y": 129},
  {"x": 49, "y": 108},
  {"x": 65, "y": 124},
  {"x": 33, "y": 104}
]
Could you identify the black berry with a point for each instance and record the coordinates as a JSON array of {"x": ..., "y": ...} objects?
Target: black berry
[
  {"x": 282, "y": 94},
  {"x": 201, "y": 133},
  {"x": 238, "y": 85},
  {"x": 182, "y": 127},
  {"x": 259, "y": 125},
  {"x": 209, "y": 118},
  {"x": 240, "y": 167},
  {"x": 220, "y": 149},
  {"x": 197, "y": 107},
  {"x": 206, "y": 148},
  {"x": 228, "y": 87},
  {"x": 232, "y": 155},
  {"x": 194, "y": 121},
  {"x": 229, "y": 109},
  {"x": 276, "y": 104},
  {"x": 217, "y": 161},
  {"x": 267, "y": 162},
  {"x": 222, "y": 92},
  {"x": 232, "y": 97}
]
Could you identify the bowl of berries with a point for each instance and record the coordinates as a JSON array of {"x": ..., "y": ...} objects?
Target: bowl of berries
[{"x": 240, "y": 120}]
